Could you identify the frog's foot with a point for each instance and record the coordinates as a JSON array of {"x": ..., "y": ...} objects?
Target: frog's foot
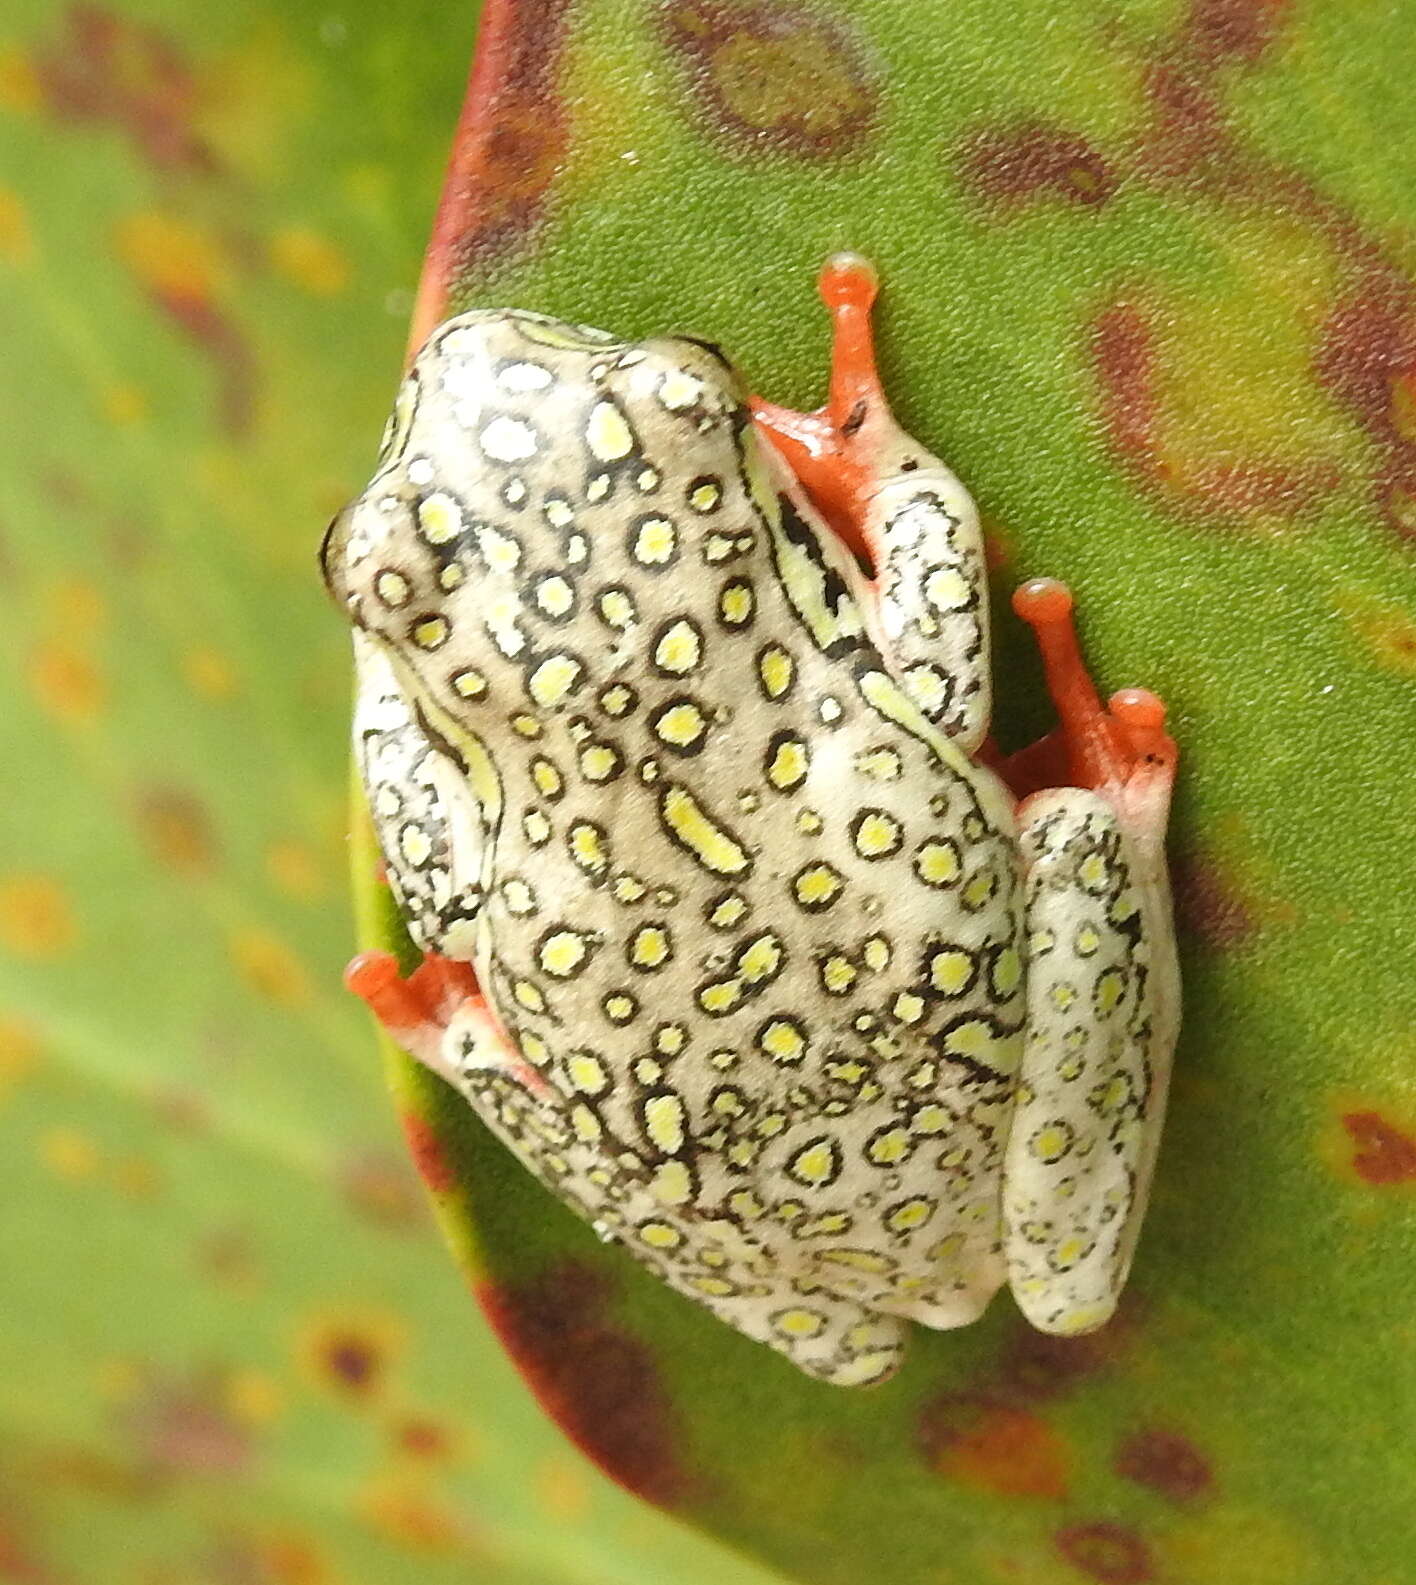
[
  {"x": 827, "y": 450},
  {"x": 1120, "y": 750},
  {"x": 439, "y": 1016}
]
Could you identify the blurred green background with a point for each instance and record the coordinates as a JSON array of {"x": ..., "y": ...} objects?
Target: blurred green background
[{"x": 232, "y": 1346}]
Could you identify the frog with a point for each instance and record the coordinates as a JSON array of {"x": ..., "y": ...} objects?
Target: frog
[{"x": 737, "y": 927}]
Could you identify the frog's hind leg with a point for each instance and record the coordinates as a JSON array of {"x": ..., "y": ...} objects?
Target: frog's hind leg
[
  {"x": 1103, "y": 988},
  {"x": 834, "y": 1338},
  {"x": 901, "y": 511}
]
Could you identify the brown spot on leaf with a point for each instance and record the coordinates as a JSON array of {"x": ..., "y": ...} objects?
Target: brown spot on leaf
[
  {"x": 1036, "y": 1367},
  {"x": 993, "y": 1447},
  {"x": 177, "y": 829},
  {"x": 351, "y": 1356},
  {"x": 108, "y": 68},
  {"x": 599, "y": 1383},
  {"x": 1382, "y": 1155},
  {"x": 1108, "y": 1553},
  {"x": 1207, "y": 906},
  {"x": 508, "y": 148},
  {"x": 1165, "y": 1462},
  {"x": 1007, "y": 167},
  {"x": 382, "y": 1189},
  {"x": 1216, "y": 31},
  {"x": 775, "y": 75},
  {"x": 186, "y": 1427},
  {"x": 204, "y": 323},
  {"x": 1124, "y": 358}
]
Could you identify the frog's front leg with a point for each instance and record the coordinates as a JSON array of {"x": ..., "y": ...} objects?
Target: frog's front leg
[
  {"x": 901, "y": 511},
  {"x": 439, "y": 1015},
  {"x": 1102, "y": 988}
]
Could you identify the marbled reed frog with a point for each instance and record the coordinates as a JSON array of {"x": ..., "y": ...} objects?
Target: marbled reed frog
[{"x": 672, "y": 714}]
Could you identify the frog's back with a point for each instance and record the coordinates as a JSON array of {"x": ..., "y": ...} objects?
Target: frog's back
[{"x": 753, "y": 920}]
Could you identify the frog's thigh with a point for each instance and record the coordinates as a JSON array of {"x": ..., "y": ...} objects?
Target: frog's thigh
[
  {"x": 932, "y": 598},
  {"x": 836, "y": 1340},
  {"x": 1091, "y": 1090}
]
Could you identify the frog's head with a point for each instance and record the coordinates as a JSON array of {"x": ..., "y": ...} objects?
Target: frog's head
[{"x": 527, "y": 462}]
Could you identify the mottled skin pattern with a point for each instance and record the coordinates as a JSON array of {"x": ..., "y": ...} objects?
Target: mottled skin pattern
[{"x": 761, "y": 952}]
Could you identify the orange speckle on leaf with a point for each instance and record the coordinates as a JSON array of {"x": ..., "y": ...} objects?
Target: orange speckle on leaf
[
  {"x": 295, "y": 871},
  {"x": 118, "y": 1380},
  {"x": 36, "y": 920},
  {"x": 19, "y": 1051},
  {"x": 310, "y": 261},
  {"x": 177, "y": 829},
  {"x": 124, "y": 404},
  {"x": 170, "y": 257},
  {"x": 69, "y": 1154},
  {"x": 423, "y": 1438},
  {"x": 1385, "y": 630},
  {"x": 16, "y": 239},
  {"x": 994, "y": 1447},
  {"x": 291, "y": 1559},
  {"x": 269, "y": 967},
  {"x": 209, "y": 673},
  {"x": 562, "y": 1490},
  {"x": 416, "y": 1519},
  {"x": 66, "y": 682},
  {"x": 20, "y": 92},
  {"x": 254, "y": 1397},
  {"x": 136, "y": 1177},
  {"x": 77, "y": 608}
]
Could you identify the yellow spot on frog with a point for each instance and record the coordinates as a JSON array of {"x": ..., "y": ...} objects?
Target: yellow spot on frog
[
  {"x": 788, "y": 766},
  {"x": 798, "y": 1323},
  {"x": 431, "y": 632},
  {"x": 910, "y": 1215},
  {"x": 673, "y": 1185},
  {"x": 659, "y": 1235},
  {"x": 817, "y": 886},
  {"x": 951, "y": 969},
  {"x": 716, "y": 849},
  {"x": 776, "y": 669},
  {"x": 608, "y": 434},
  {"x": 650, "y": 947},
  {"x": 937, "y": 862},
  {"x": 563, "y": 952},
  {"x": 782, "y": 1039},
  {"x": 760, "y": 958},
  {"x": 587, "y": 1073},
  {"x": 655, "y": 541},
  {"x": 553, "y": 680},
  {"x": 663, "y": 1123},
  {"x": 876, "y": 835},
  {"x": 679, "y": 649},
  {"x": 439, "y": 518}
]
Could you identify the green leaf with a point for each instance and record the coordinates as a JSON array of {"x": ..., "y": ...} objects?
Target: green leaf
[{"x": 1148, "y": 286}]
